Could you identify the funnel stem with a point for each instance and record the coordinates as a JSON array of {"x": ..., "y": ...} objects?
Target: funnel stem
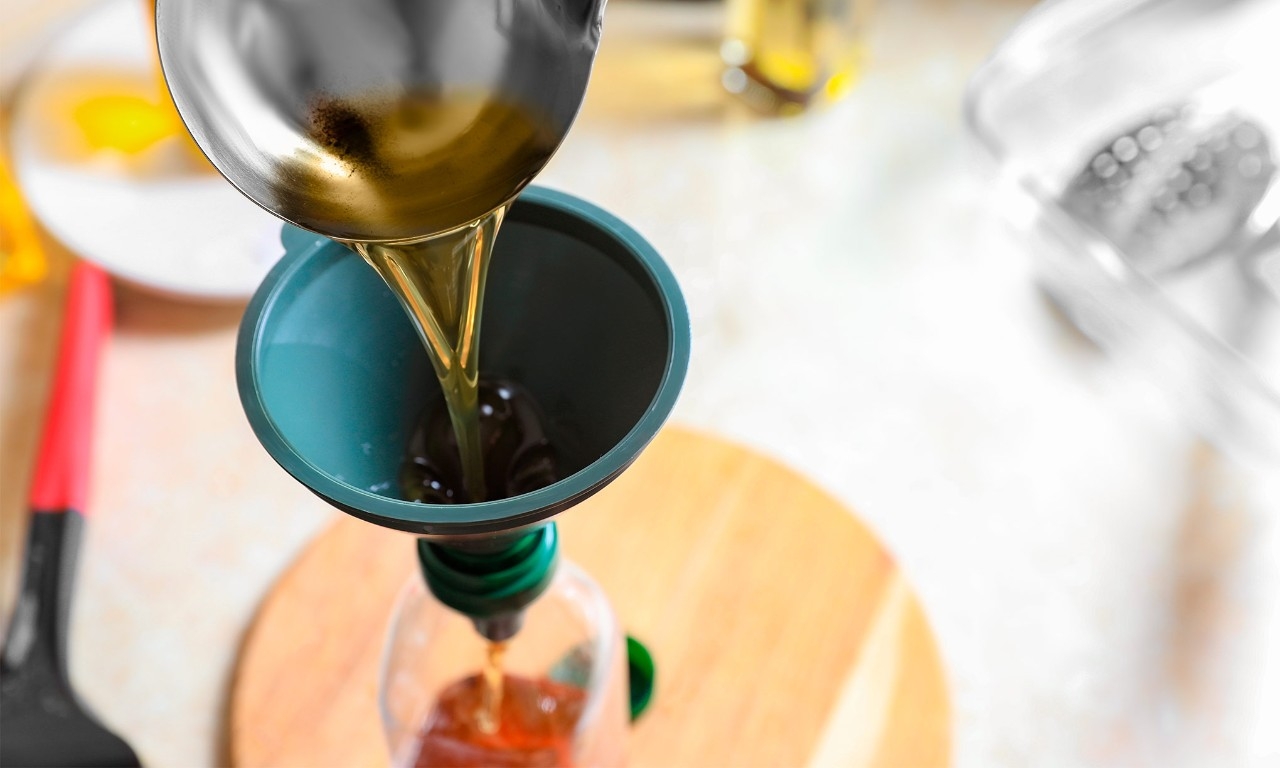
[{"x": 491, "y": 586}]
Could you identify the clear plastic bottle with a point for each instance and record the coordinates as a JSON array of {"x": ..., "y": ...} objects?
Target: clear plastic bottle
[{"x": 564, "y": 692}]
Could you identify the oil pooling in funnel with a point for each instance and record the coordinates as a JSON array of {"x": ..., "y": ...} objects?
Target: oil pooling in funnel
[
  {"x": 491, "y": 688},
  {"x": 510, "y": 438}
]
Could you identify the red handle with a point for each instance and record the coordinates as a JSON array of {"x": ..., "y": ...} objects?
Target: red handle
[{"x": 62, "y": 466}]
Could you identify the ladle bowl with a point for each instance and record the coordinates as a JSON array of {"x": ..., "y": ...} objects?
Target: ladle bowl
[{"x": 247, "y": 76}]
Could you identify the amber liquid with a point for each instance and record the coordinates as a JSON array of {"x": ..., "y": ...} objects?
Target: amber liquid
[
  {"x": 418, "y": 184},
  {"x": 487, "y": 714},
  {"x": 534, "y": 727},
  {"x": 440, "y": 282}
]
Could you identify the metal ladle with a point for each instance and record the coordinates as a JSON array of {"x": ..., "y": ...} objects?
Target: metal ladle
[{"x": 245, "y": 75}]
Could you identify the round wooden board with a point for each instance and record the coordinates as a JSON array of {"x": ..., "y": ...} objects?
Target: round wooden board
[{"x": 784, "y": 634}]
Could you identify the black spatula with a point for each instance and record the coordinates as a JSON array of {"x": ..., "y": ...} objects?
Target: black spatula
[{"x": 42, "y": 721}]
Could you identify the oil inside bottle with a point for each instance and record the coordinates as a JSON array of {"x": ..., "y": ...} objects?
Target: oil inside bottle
[{"x": 535, "y": 725}]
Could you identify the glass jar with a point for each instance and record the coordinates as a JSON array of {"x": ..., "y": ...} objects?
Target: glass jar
[
  {"x": 564, "y": 693},
  {"x": 1076, "y": 76}
]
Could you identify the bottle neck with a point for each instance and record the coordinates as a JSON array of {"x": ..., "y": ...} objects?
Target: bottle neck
[{"x": 491, "y": 581}]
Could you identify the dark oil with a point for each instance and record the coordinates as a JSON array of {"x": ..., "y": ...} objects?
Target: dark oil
[
  {"x": 534, "y": 727},
  {"x": 518, "y": 458}
]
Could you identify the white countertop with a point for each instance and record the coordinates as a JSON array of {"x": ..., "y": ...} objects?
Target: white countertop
[{"x": 1105, "y": 589}]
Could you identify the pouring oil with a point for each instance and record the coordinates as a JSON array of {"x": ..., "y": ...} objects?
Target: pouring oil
[
  {"x": 537, "y": 720},
  {"x": 361, "y": 176},
  {"x": 440, "y": 281},
  {"x": 491, "y": 690}
]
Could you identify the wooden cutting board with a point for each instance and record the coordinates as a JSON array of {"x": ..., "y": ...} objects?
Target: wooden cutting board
[{"x": 784, "y": 634}]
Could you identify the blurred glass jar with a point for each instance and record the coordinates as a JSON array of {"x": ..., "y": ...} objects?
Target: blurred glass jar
[
  {"x": 782, "y": 56},
  {"x": 1081, "y": 84},
  {"x": 564, "y": 697}
]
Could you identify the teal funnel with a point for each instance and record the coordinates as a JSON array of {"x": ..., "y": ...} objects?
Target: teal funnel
[{"x": 579, "y": 309}]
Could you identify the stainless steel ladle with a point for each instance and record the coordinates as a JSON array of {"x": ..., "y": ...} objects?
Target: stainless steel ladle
[{"x": 244, "y": 73}]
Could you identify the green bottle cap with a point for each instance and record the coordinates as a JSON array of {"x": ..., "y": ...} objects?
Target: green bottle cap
[
  {"x": 640, "y": 674},
  {"x": 491, "y": 587}
]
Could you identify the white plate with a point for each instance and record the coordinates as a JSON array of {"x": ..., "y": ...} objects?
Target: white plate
[{"x": 189, "y": 237}]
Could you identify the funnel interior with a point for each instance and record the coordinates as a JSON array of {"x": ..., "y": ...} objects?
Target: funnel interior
[{"x": 579, "y": 310}]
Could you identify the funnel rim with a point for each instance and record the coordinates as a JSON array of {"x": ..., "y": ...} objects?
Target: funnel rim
[{"x": 508, "y": 514}]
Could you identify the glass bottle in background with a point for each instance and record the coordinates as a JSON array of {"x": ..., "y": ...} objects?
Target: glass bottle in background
[
  {"x": 782, "y": 56},
  {"x": 563, "y": 693}
]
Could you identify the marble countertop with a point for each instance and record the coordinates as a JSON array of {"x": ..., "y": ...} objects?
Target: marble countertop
[{"x": 1102, "y": 584}]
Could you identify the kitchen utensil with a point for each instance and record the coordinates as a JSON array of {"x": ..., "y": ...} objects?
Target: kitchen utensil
[
  {"x": 582, "y": 312},
  {"x": 1190, "y": 185},
  {"x": 246, "y": 76},
  {"x": 566, "y": 668},
  {"x": 43, "y": 721}
]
